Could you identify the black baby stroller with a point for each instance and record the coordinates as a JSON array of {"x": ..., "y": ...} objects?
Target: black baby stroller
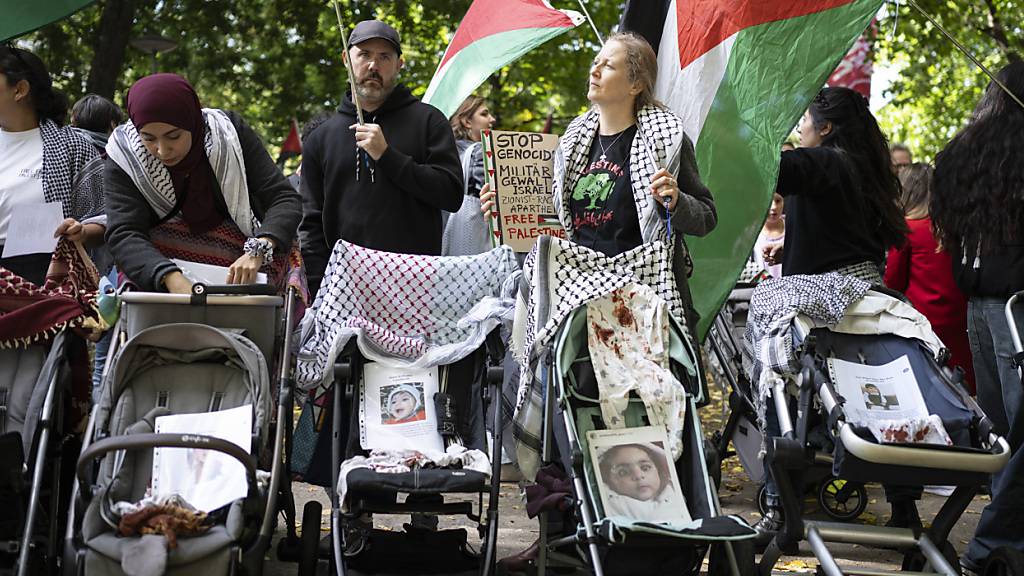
[
  {"x": 175, "y": 355},
  {"x": 407, "y": 349},
  {"x": 897, "y": 394},
  {"x": 657, "y": 526},
  {"x": 43, "y": 391},
  {"x": 840, "y": 498}
]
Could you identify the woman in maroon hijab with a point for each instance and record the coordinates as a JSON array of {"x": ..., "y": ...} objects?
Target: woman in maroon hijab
[{"x": 195, "y": 184}]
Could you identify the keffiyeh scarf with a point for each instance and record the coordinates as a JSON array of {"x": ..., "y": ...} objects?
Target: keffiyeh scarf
[
  {"x": 658, "y": 138},
  {"x": 774, "y": 305},
  {"x": 558, "y": 277},
  {"x": 404, "y": 310},
  {"x": 151, "y": 177},
  {"x": 31, "y": 313}
]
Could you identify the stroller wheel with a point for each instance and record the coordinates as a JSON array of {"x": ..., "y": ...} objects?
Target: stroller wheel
[
  {"x": 842, "y": 499},
  {"x": 762, "y": 500},
  {"x": 1004, "y": 561},
  {"x": 310, "y": 542}
]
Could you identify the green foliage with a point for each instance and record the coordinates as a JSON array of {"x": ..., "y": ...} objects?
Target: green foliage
[
  {"x": 272, "y": 60},
  {"x": 938, "y": 86}
]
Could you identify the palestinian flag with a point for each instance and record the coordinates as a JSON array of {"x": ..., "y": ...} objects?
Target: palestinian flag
[
  {"x": 21, "y": 17},
  {"x": 492, "y": 34},
  {"x": 740, "y": 73}
]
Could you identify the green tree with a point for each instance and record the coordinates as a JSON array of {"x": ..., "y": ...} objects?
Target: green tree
[
  {"x": 938, "y": 86},
  {"x": 272, "y": 60}
]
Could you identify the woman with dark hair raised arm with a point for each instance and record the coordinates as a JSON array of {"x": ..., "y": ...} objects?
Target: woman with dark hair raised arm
[
  {"x": 977, "y": 208},
  {"x": 42, "y": 160},
  {"x": 842, "y": 197},
  {"x": 842, "y": 215}
]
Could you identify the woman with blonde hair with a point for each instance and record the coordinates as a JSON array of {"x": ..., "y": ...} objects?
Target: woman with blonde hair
[
  {"x": 620, "y": 169},
  {"x": 625, "y": 171},
  {"x": 466, "y": 232}
]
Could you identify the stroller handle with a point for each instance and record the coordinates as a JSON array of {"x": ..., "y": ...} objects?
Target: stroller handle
[
  {"x": 200, "y": 288},
  {"x": 1011, "y": 321},
  {"x": 143, "y": 441},
  {"x": 921, "y": 458}
]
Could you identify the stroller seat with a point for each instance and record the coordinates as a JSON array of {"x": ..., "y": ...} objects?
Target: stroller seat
[
  {"x": 165, "y": 370},
  {"x": 419, "y": 481}
]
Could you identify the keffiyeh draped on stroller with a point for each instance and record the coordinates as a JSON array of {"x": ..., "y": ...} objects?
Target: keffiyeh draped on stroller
[{"x": 608, "y": 397}]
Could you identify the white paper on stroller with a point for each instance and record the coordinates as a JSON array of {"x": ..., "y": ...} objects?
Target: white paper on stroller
[
  {"x": 887, "y": 400},
  {"x": 209, "y": 274},
  {"x": 396, "y": 410},
  {"x": 31, "y": 229},
  {"x": 206, "y": 479},
  {"x": 636, "y": 477}
]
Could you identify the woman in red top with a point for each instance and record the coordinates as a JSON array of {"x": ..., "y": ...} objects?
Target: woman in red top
[{"x": 924, "y": 273}]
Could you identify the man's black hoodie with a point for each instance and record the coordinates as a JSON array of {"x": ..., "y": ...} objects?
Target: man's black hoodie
[{"x": 393, "y": 204}]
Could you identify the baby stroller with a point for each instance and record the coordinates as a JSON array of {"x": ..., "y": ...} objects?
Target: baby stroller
[
  {"x": 607, "y": 526},
  {"x": 874, "y": 341},
  {"x": 174, "y": 355},
  {"x": 43, "y": 385},
  {"x": 840, "y": 498},
  {"x": 410, "y": 357}
]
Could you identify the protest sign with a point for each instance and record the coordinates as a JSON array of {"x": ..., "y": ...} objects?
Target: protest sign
[{"x": 519, "y": 168}]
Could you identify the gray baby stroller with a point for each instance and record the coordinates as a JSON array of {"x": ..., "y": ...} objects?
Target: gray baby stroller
[
  {"x": 176, "y": 354},
  {"x": 896, "y": 413},
  {"x": 37, "y": 448},
  {"x": 839, "y": 498},
  {"x": 43, "y": 389}
]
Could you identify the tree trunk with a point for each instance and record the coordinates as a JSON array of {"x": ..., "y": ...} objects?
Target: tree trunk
[
  {"x": 111, "y": 43},
  {"x": 997, "y": 32}
]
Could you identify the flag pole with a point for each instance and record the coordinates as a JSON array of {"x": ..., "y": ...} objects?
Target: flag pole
[
  {"x": 348, "y": 65},
  {"x": 583, "y": 5},
  {"x": 967, "y": 53}
]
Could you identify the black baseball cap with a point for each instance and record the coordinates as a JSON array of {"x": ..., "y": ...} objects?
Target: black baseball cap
[{"x": 369, "y": 29}]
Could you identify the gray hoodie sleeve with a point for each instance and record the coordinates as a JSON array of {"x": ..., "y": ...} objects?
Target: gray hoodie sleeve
[{"x": 694, "y": 213}]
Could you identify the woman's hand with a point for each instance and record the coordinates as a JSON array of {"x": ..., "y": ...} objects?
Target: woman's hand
[
  {"x": 486, "y": 200},
  {"x": 665, "y": 189},
  {"x": 244, "y": 270},
  {"x": 176, "y": 283},
  {"x": 87, "y": 235},
  {"x": 71, "y": 229},
  {"x": 772, "y": 254}
]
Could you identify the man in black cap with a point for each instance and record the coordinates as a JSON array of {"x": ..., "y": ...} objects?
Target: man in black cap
[{"x": 382, "y": 184}]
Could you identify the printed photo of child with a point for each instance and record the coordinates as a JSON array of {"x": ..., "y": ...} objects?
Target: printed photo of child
[
  {"x": 638, "y": 483},
  {"x": 402, "y": 403},
  {"x": 875, "y": 400}
]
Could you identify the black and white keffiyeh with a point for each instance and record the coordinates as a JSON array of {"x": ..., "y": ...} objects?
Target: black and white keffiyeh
[
  {"x": 151, "y": 177},
  {"x": 775, "y": 303},
  {"x": 658, "y": 139},
  {"x": 558, "y": 277},
  {"x": 72, "y": 171},
  {"x": 404, "y": 310}
]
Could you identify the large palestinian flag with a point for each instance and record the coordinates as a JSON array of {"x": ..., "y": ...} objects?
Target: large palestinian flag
[
  {"x": 19, "y": 17},
  {"x": 740, "y": 73},
  {"x": 492, "y": 34}
]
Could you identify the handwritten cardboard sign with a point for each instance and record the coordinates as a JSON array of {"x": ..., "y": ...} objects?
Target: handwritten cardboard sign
[{"x": 519, "y": 167}]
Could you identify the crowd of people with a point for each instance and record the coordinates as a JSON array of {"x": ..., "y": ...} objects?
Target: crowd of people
[{"x": 170, "y": 180}]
